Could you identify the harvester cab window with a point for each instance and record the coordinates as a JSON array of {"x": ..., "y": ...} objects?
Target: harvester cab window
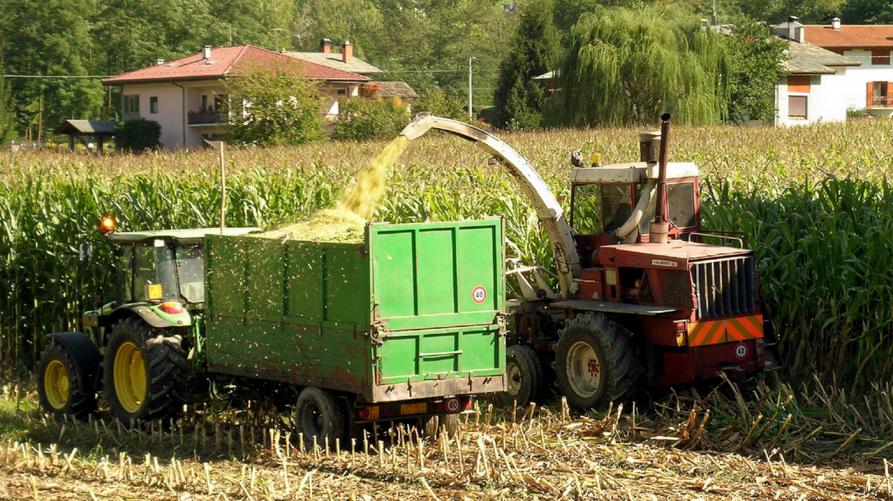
[
  {"x": 191, "y": 271},
  {"x": 681, "y": 200},
  {"x": 585, "y": 209},
  {"x": 616, "y": 207},
  {"x": 155, "y": 275}
]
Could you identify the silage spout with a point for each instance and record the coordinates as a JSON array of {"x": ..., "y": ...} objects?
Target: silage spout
[{"x": 548, "y": 210}]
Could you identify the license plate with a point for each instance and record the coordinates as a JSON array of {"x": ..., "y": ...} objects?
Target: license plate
[{"x": 413, "y": 409}]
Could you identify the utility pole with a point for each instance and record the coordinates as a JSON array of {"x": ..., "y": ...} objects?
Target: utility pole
[{"x": 470, "y": 112}]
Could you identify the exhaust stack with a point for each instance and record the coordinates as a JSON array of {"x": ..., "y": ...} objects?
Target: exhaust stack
[{"x": 660, "y": 227}]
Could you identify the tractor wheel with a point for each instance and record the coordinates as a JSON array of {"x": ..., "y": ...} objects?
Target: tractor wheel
[
  {"x": 145, "y": 372},
  {"x": 59, "y": 386},
  {"x": 318, "y": 415},
  {"x": 594, "y": 361},
  {"x": 432, "y": 426},
  {"x": 524, "y": 376}
]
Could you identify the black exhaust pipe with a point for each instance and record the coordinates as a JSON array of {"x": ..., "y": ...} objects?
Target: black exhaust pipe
[{"x": 660, "y": 227}]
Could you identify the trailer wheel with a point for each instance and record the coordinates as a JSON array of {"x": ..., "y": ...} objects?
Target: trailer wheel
[
  {"x": 145, "y": 372},
  {"x": 524, "y": 376},
  {"x": 433, "y": 426},
  {"x": 60, "y": 387},
  {"x": 594, "y": 361},
  {"x": 318, "y": 415}
]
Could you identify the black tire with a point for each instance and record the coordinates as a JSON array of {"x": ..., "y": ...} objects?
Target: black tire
[
  {"x": 79, "y": 399},
  {"x": 524, "y": 376},
  {"x": 616, "y": 370},
  {"x": 317, "y": 414},
  {"x": 166, "y": 366},
  {"x": 432, "y": 426}
]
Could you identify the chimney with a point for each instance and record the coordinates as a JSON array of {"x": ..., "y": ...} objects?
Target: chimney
[
  {"x": 325, "y": 46},
  {"x": 206, "y": 54},
  {"x": 835, "y": 23},
  {"x": 346, "y": 51}
]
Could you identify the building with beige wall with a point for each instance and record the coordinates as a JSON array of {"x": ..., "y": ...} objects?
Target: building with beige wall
[{"x": 185, "y": 96}]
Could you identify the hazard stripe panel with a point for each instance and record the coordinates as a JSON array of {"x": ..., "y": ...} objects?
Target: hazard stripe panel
[{"x": 726, "y": 330}]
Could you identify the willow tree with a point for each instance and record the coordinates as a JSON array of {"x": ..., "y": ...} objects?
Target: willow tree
[{"x": 627, "y": 66}]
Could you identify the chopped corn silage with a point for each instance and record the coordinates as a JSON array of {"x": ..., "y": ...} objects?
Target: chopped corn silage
[{"x": 346, "y": 222}]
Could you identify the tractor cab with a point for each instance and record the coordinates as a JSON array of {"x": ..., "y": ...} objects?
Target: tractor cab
[
  {"x": 163, "y": 266},
  {"x": 159, "y": 276}
]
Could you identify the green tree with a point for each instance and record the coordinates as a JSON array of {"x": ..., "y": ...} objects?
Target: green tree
[
  {"x": 280, "y": 107},
  {"x": 755, "y": 60},
  {"x": 519, "y": 99},
  {"x": 868, "y": 12},
  {"x": 7, "y": 119},
  {"x": 360, "y": 119},
  {"x": 49, "y": 37},
  {"x": 626, "y": 66}
]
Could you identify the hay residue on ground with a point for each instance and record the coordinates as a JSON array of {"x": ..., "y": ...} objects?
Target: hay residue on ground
[{"x": 346, "y": 222}]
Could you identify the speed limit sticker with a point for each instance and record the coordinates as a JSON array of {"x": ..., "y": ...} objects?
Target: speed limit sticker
[
  {"x": 741, "y": 351},
  {"x": 479, "y": 294}
]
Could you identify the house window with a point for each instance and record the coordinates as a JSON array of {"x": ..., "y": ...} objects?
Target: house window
[
  {"x": 130, "y": 104},
  {"x": 879, "y": 94},
  {"x": 153, "y": 104},
  {"x": 799, "y": 84},
  {"x": 205, "y": 102},
  {"x": 797, "y": 106},
  {"x": 342, "y": 92},
  {"x": 880, "y": 57}
]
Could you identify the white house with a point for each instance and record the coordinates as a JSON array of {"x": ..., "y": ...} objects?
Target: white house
[
  {"x": 817, "y": 79},
  {"x": 185, "y": 95},
  {"x": 869, "y": 86}
]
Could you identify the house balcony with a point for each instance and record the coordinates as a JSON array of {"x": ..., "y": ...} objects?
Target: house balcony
[{"x": 205, "y": 118}]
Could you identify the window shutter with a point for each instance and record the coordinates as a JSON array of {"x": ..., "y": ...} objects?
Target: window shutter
[
  {"x": 888, "y": 102},
  {"x": 868, "y": 95}
]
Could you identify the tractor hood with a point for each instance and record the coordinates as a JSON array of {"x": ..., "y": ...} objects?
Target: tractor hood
[{"x": 675, "y": 254}]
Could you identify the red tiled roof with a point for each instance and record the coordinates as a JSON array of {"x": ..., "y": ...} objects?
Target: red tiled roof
[
  {"x": 850, "y": 35},
  {"x": 226, "y": 61}
]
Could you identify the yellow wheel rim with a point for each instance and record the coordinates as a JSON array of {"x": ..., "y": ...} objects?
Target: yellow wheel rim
[
  {"x": 130, "y": 377},
  {"x": 55, "y": 384}
]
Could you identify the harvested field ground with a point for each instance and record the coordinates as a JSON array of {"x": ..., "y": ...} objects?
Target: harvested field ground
[{"x": 668, "y": 453}]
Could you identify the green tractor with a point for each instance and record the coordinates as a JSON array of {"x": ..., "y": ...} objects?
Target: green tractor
[{"x": 136, "y": 350}]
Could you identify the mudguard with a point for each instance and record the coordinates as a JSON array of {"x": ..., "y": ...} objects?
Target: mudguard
[
  {"x": 158, "y": 319},
  {"x": 83, "y": 352}
]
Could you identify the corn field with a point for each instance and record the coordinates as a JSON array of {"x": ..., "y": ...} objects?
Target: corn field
[{"x": 815, "y": 203}]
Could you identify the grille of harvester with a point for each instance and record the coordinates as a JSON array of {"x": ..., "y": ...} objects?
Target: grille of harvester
[{"x": 725, "y": 287}]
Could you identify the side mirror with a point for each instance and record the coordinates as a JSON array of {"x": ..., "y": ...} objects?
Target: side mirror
[{"x": 85, "y": 254}]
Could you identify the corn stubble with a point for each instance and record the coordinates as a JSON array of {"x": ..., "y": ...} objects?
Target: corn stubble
[{"x": 537, "y": 452}]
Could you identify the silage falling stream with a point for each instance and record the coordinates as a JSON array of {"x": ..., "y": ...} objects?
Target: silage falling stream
[{"x": 346, "y": 221}]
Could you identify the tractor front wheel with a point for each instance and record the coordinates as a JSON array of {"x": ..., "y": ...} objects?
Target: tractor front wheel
[
  {"x": 594, "y": 361},
  {"x": 145, "y": 372},
  {"x": 60, "y": 388}
]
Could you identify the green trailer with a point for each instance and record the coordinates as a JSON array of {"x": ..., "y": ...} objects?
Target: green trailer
[{"x": 407, "y": 323}]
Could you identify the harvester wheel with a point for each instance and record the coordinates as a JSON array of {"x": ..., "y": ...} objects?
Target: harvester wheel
[
  {"x": 318, "y": 415},
  {"x": 145, "y": 372},
  {"x": 524, "y": 376},
  {"x": 60, "y": 388},
  {"x": 432, "y": 426},
  {"x": 594, "y": 361}
]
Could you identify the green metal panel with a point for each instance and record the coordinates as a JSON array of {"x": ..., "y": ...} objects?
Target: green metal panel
[
  {"x": 456, "y": 352},
  {"x": 306, "y": 313},
  {"x": 427, "y": 275}
]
